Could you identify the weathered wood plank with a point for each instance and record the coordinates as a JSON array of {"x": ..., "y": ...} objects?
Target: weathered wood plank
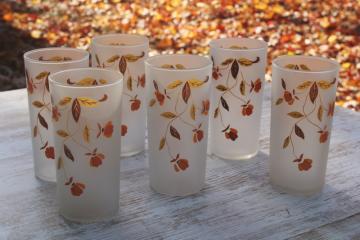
[{"x": 237, "y": 202}]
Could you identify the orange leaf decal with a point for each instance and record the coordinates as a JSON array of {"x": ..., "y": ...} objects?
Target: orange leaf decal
[
  {"x": 141, "y": 81},
  {"x": 122, "y": 65},
  {"x": 76, "y": 110},
  {"x": 42, "y": 121},
  {"x": 174, "y": 132},
  {"x": 313, "y": 92},
  {"x": 205, "y": 107},
  {"x": 68, "y": 153},
  {"x": 186, "y": 92}
]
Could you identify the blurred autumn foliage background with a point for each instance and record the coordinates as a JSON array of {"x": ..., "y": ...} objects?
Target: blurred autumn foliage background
[{"x": 329, "y": 28}]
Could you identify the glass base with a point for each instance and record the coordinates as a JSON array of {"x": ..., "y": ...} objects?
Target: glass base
[
  {"x": 176, "y": 195},
  {"x": 291, "y": 191},
  {"x": 45, "y": 179},
  {"x": 238, "y": 157},
  {"x": 131, "y": 153},
  {"x": 90, "y": 220}
]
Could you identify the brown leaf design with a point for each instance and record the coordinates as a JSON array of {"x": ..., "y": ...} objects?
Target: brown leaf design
[
  {"x": 227, "y": 61},
  {"x": 242, "y": 88},
  {"x": 286, "y": 142},
  {"x": 62, "y": 133},
  {"x": 186, "y": 92},
  {"x": 68, "y": 153},
  {"x": 279, "y": 101},
  {"x": 45, "y": 145},
  {"x": 133, "y": 58},
  {"x": 104, "y": 98},
  {"x": 47, "y": 83},
  {"x": 35, "y": 131},
  {"x": 152, "y": 102},
  {"x": 313, "y": 92},
  {"x": 41, "y": 75},
  {"x": 162, "y": 143},
  {"x": 86, "y": 134},
  {"x": 97, "y": 60},
  {"x": 37, "y": 104},
  {"x": 174, "y": 132},
  {"x": 299, "y": 132},
  {"x": 283, "y": 84},
  {"x": 295, "y": 114},
  {"x": 129, "y": 83},
  {"x": 113, "y": 59},
  {"x": 193, "y": 112},
  {"x": 156, "y": 85},
  {"x": 320, "y": 113},
  {"x": 42, "y": 121},
  {"x": 168, "y": 115},
  {"x": 122, "y": 65},
  {"x": 221, "y": 88},
  {"x": 216, "y": 112},
  {"x": 304, "y": 67},
  {"x": 234, "y": 69},
  {"x": 224, "y": 103},
  {"x": 59, "y": 163},
  {"x": 76, "y": 110}
]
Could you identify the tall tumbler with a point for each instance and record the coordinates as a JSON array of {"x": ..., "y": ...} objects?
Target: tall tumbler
[
  {"x": 39, "y": 64},
  {"x": 302, "y": 108},
  {"x": 237, "y": 89},
  {"x": 178, "y": 122},
  {"x": 87, "y": 103},
  {"x": 126, "y": 53}
]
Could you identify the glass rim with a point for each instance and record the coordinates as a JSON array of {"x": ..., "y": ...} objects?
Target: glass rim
[
  {"x": 120, "y": 80},
  {"x": 29, "y": 59},
  {"x": 262, "y": 42},
  {"x": 98, "y": 37},
  {"x": 276, "y": 65},
  {"x": 151, "y": 65}
]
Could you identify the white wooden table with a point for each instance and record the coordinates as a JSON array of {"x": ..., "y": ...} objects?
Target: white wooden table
[{"x": 237, "y": 202}]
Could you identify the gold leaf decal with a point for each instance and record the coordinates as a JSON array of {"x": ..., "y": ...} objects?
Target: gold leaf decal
[
  {"x": 86, "y": 134},
  {"x": 279, "y": 101},
  {"x": 192, "y": 112},
  {"x": 324, "y": 84},
  {"x": 168, "y": 66},
  {"x": 320, "y": 113},
  {"x": 237, "y": 47},
  {"x": 245, "y": 61},
  {"x": 242, "y": 88},
  {"x": 37, "y": 104},
  {"x": 41, "y": 75},
  {"x": 62, "y": 133},
  {"x": 168, "y": 115},
  {"x": 87, "y": 102},
  {"x": 286, "y": 142},
  {"x": 65, "y": 101},
  {"x": 174, "y": 84},
  {"x": 113, "y": 59},
  {"x": 129, "y": 83},
  {"x": 195, "y": 83},
  {"x": 304, "y": 67},
  {"x": 295, "y": 114},
  {"x": 133, "y": 58},
  {"x": 227, "y": 61},
  {"x": 291, "y": 66},
  {"x": 152, "y": 102},
  {"x": 102, "y": 81},
  {"x": 162, "y": 143},
  {"x": 179, "y": 66},
  {"x": 221, "y": 87},
  {"x": 88, "y": 81},
  {"x": 304, "y": 85}
]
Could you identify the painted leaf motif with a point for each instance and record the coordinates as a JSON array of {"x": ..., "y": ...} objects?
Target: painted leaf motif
[
  {"x": 320, "y": 113},
  {"x": 279, "y": 101},
  {"x": 195, "y": 83},
  {"x": 221, "y": 87},
  {"x": 162, "y": 143},
  {"x": 216, "y": 112},
  {"x": 37, "y": 104},
  {"x": 245, "y": 61},
  {"x": 47, "y": 83},
  {"x": 152, "y": 102},
  {"x": 86, "y": 134},
  {"x": 234, "y": 69},
  {"x": 286, "y": 142},
  {"x": 88, "y": 81},
  {"x": 62, "y": 133},
  {"x": 304, "y": 85},
  {"x": 174, "y": 132},
  {"x": 304, "y": 67},
  {"x": 97, "y": 60},
  {"x": 324, "y": 84},
  {"x": 168, "y": 115},
  {"x": 313, "y": 92},
  {"x": 42, "y": 121},
  {"x": 68, "y": 153},
  {"x": 122, "y": 65},
  {"x": 41, "y": 75},
  {"x": 283, "y": 84},
  {"x": 113, "y": 59},
  {"x": 186, "y": 92},
  {"x": 295, "y": 114},
  {"x": 104, "y": 98},
  {"x": 227, "y": 61},
  {"x": 59, "y": 163},
  {"x": 224, "y": 103},
  {"x": 45, "y": 145},
  {"x": 129, "y": 83},
  {"x": 192, "y": 112},
  {"x": 76, "y": 110},
  {"x": 179, "y": 66},
  {"x": 299, "y": 132},
  {"x": 242, "y": 88},
  {"x": 87, "y": 102},
  {"x": 174, "y": 84},
  {"x": 133, "y": 58},
  {"x": 35, "y": 131},
  {"x": 155, "y": 85},
  {"x": 65, "y": 101}
]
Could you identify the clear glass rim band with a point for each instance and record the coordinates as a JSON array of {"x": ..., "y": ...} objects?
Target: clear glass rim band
[
  {"x": 215, "y": 44},
  {"x": 118, "y": 80},
  {"x": 145, "y": 40},
  {"x": 64, "y": 49},
  {"x": 148, "y": 62},
  {"x": 275, "y": 64}
]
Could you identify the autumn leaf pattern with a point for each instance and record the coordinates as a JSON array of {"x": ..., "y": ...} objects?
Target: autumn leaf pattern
[
  {"x": 71, "y": 108},
  {"x": 179, "y": 91},
  {"x": 234, "y": 86},
  {"x": 309, "y": 92}
]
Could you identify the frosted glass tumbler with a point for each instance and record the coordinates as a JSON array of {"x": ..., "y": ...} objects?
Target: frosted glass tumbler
[
  {"x": 302, "y": 107},
  {"x": 87, "y": 142},
  {"x": 178, "y": 122},
  {"x": 237, "y": 90},
  {"x": 39, "y": 64}
]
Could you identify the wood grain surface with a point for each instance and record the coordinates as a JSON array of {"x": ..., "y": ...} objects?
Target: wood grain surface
[{"x": 237, "y": 202}]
